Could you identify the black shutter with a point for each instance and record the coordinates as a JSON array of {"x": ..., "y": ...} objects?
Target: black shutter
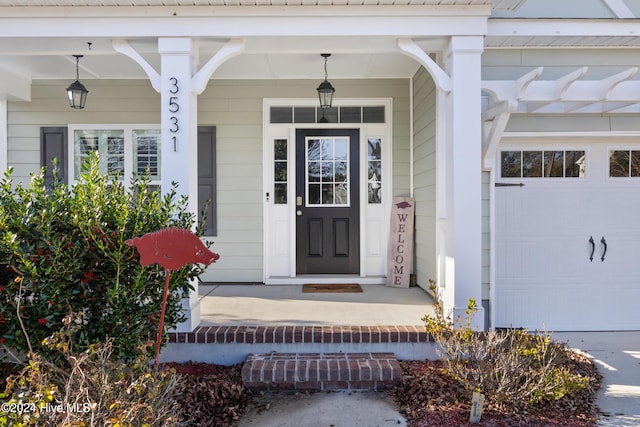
[
  {"x": 207, "y": 177},
  {"x": 53, "y": 144}
]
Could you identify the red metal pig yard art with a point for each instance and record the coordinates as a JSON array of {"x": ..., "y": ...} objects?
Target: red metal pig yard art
[{"x": 172, "y": 248}]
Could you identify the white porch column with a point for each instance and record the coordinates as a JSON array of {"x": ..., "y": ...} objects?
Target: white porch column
[
  {"x": 180, "y": 136},
  {"x": 463, "y": 241},
  {"x": 4, "y": 138}
]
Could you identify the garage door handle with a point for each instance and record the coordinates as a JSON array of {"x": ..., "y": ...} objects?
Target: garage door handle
[
  {"x": 593, "y": 248},
  {"x": 604, "y": 252}
]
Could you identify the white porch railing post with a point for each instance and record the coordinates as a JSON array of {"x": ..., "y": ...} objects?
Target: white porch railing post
[
  {"x": 463, "y": 242},
  {"x": 179, "y": 127}
]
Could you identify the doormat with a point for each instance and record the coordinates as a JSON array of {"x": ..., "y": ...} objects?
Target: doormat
[{"x": 331, "y": 287}]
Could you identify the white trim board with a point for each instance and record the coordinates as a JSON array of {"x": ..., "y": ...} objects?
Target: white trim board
[{"x": 279, "y": 265}]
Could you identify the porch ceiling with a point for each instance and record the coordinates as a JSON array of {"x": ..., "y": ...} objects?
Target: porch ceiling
[{"x": 263, "y": 58}]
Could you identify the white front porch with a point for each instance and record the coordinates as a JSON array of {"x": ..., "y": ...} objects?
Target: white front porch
[
  {"x": 242, "y": 319},
  {"x": 258, "y": 304}
]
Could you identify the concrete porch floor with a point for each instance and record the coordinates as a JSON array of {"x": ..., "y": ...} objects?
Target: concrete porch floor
[{"x": 259, "y": 304}]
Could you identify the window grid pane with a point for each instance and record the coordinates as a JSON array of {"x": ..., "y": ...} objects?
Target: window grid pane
[
  {"x": 543, "y": 164},
  {"x": 115, "y": 156},
  {"x": 327, "y": 177},
  {"x": 342, "y": 114},
  {"x": 280, "y": 167},
  {"x": 619, "y": 163},
  {"x": 146, "y": 153}
]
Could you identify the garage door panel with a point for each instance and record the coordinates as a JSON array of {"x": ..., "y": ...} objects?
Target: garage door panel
[
  {"x": 544, "y": 278},
  {"x": 540, "y": 258},
  {"x": 575, "y": 307}
]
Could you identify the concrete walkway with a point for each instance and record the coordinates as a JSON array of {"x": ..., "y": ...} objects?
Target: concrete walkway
[
  {"x": 339, "y": 409},
  {"x": 617, "y": 355}
]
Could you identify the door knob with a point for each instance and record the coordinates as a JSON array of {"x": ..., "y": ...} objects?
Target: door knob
[{"x": 299, "y": 212}]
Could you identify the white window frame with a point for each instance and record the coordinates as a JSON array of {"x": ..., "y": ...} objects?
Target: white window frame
[
  {"x": 543, "y": 147},
  {"x": 608, "y": 164},
  {"x": 128, "y": 133}
]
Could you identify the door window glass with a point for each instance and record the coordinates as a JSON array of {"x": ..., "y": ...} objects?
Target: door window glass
[{"x": 327, "y": 171}]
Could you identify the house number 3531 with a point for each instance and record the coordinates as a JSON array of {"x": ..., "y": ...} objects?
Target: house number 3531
[{"x": 174, "y": 107}]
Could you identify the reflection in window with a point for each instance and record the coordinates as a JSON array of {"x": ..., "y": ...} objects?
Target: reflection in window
[
  {"x": 374, "y": 177},
  {"x": 109, "y": 144},
  {"x": 146, "y": 152},
  {"x": 280, "y": 171},
  {"x": 542, "y": 164},
  {"x": 327, "y": 171},
  {"x": 574, "y": 164},
  {"x": 511, "y": 164},
  {"x": 624, "y": 163},
  {"x": 337, "y": 114},
  {"x": 532, "y": 164}
]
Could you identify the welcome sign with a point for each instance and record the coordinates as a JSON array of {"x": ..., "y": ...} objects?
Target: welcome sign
[{"x": 401, "y": 242}]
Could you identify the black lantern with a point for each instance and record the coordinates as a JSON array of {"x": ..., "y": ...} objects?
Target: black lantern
[
  {"x": 76, "y": 91},
  {"x": 325, "y": 90}
]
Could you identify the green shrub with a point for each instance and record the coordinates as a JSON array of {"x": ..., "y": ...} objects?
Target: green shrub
[
  {"x": 513, "y": 368},
  {"x": 62, "y": 251}
]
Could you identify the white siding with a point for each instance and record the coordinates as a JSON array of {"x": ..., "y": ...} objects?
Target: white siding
[
  {"x": 424, "y": 128},
  {"x": 235, "y": 108}
]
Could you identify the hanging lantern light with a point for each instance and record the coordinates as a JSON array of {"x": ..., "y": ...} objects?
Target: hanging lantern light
[
  {"x": 325, "y": 90},
  {"x": 76, "y": 91}
]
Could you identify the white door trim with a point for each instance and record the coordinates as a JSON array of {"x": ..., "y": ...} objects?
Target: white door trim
[{"x": 279, "y": 260}]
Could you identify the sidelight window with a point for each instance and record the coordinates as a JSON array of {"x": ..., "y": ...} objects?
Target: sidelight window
[
  {"x": 327, "y": 171},
  {"x": 280, "y": 164},
  {"x": 374, "y": 147}
]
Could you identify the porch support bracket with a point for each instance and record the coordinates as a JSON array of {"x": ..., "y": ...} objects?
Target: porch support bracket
[
  {"x": 499, "y": 115},
  {"x": 233, "y": 48},
  {"x": 123, "y": 47},
  {"x": 498, "y": 125},
  {"x": 440, "y": 77}
]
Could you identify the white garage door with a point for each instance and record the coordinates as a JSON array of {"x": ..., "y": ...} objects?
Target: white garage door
[{"x": 568, "y": 241}]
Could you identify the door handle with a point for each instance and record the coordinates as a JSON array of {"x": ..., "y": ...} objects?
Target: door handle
[
  {"x": 593, "y": 248},
  {"x": 604, "y": 252}
]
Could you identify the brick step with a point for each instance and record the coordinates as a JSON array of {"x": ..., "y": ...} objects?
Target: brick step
[
  {"x": 321, "y": 371},
  {"x": 301, "y": 334}
]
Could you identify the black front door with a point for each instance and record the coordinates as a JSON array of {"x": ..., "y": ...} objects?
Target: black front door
[{"x": 327, "y": 201}]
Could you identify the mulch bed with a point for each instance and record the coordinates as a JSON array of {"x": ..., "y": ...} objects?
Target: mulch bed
[
  {"x": 214, "y": 395},
  {"x": 427, "y": 397}
]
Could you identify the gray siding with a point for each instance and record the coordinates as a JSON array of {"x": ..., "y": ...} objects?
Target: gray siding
[
  {"x": 235, "y": 108},
  {"x": 486, "y": 237},
  {"x": 113, "y": 101},
  {"x": 424, "y": 128}
]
